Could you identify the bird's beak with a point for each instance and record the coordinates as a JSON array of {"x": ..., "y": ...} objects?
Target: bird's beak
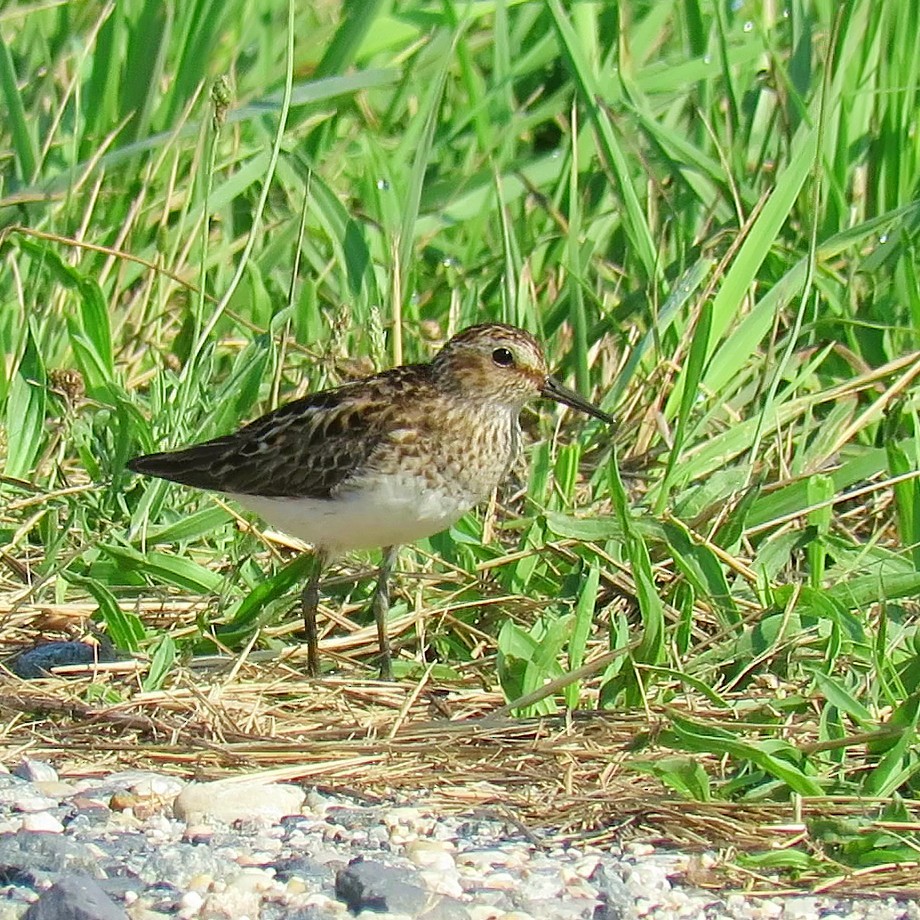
[{"x": 553, "y": 389}]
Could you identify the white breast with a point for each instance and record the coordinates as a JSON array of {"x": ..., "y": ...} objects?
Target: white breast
[{"x": 393, "y": 510}]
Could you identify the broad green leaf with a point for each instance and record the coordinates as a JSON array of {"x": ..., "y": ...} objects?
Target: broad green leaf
[
  {"x": 161, "y": 664},
  {"x": 776, "y": 757},
  {"x": 682, "y": 774},
  {"x": 166, "y": 569}
]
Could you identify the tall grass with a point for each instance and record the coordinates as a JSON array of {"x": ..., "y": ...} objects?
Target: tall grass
[{"x": 708, "y": 211}]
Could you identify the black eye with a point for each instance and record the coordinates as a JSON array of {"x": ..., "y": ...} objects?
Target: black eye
[{"x": 502, "y": 357}]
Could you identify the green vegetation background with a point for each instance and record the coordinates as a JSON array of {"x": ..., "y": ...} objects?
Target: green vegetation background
[{"x": 709, "y": 212}]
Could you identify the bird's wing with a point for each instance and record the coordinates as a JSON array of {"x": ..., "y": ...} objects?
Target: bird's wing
[{"x": 304, "y": 449}]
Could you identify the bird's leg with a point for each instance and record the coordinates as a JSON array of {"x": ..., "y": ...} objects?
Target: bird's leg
[
  {"x": 381, "y": 606},
  {"x": 310, "y": 602}
]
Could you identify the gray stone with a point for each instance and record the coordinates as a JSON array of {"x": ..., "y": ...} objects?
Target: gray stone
[
  {"x": 352, "y": 819},
  {"x": 302, "y": 867},
  {"x": 180, "y": 862},
  {"x": 75, "y": 897},
  {"x": 29, "y": 857},
  {"x": 616, "y": 901},
  {"x": 366, "y": 884}
]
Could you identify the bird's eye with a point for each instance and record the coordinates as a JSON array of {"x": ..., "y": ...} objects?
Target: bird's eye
[{"x": 503, "y": 357}]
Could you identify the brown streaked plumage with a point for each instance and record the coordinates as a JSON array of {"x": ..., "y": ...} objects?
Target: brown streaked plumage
[{"x": 386, "y": 460}]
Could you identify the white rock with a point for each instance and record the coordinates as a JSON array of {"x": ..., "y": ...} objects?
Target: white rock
[
  {"x": 190, "y": 905},
  {"x": 35, "y": 771},
  {"x": 406, "y": 823},
  {"x": 581, "y": 889},
  {"x": 42, "y": 821},
  {"x": 54, "y": 788},
  {"x": 30, "y": 802},
  {"x": 318, "y": 803},
  {"x": 200, "y": 883},
  {"x": 431, "y": 854},
  {"x": 155, "y": 785},
  {"x": 484, "y": 912},
  {"x": 254, "y": 880},
  {"x": 647, "y": 877},
  {"x": 231, "y": 905},
  {"x": 236, "y": 800},
  {"x": 483, "y": 859},
  {"x": 403, "y": 814},
  {"x": 335, "y": 832},
  {"x": 504, "y": 881},
  {"x": 800, "y": 909},
  {"x": 440, "y": 882},
  {"x": 324, "y": 902},
  {"x": 638, "y": 849},
  {"x": 544, "y": 886},
  {"x": 586, "y": 866}
]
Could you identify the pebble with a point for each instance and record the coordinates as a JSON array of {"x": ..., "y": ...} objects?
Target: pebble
[
  {"x": 42, "y": 821},
  {"x": 431, "y": 854},
  {"x": 147, "y": 846},
  {"x": 75, "y": 898},
  {"x": 35, "y": 771},
  {"x": 235, "y": 800}
]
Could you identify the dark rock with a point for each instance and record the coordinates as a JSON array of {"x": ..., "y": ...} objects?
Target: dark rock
[
  {"x": 297, "y": 824},
  {"x": 164, "y": 897},
  {"x": 352, "y": 819},
  {"x": 302, "y": 867},
  {"x": 75, "y": 897},
  {"x": 38, "y": 662},
  {"x": 369, "y": 885},
  {"x": 118, "y": 886}
]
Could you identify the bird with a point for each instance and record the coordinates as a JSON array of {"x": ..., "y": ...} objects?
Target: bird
[{"x": 381, "y": 461}]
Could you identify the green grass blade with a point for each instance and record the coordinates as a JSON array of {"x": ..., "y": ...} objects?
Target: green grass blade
[
  {"x": 25, "y": 411},
  {"x": 26, "y": 152},
  {"x": 590, "y": 93}
]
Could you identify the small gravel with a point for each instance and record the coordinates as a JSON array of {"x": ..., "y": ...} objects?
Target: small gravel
[{"x": 142, "y": 845}]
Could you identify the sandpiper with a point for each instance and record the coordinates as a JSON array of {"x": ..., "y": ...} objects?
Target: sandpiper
[{"x": 381, "y": 461}]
